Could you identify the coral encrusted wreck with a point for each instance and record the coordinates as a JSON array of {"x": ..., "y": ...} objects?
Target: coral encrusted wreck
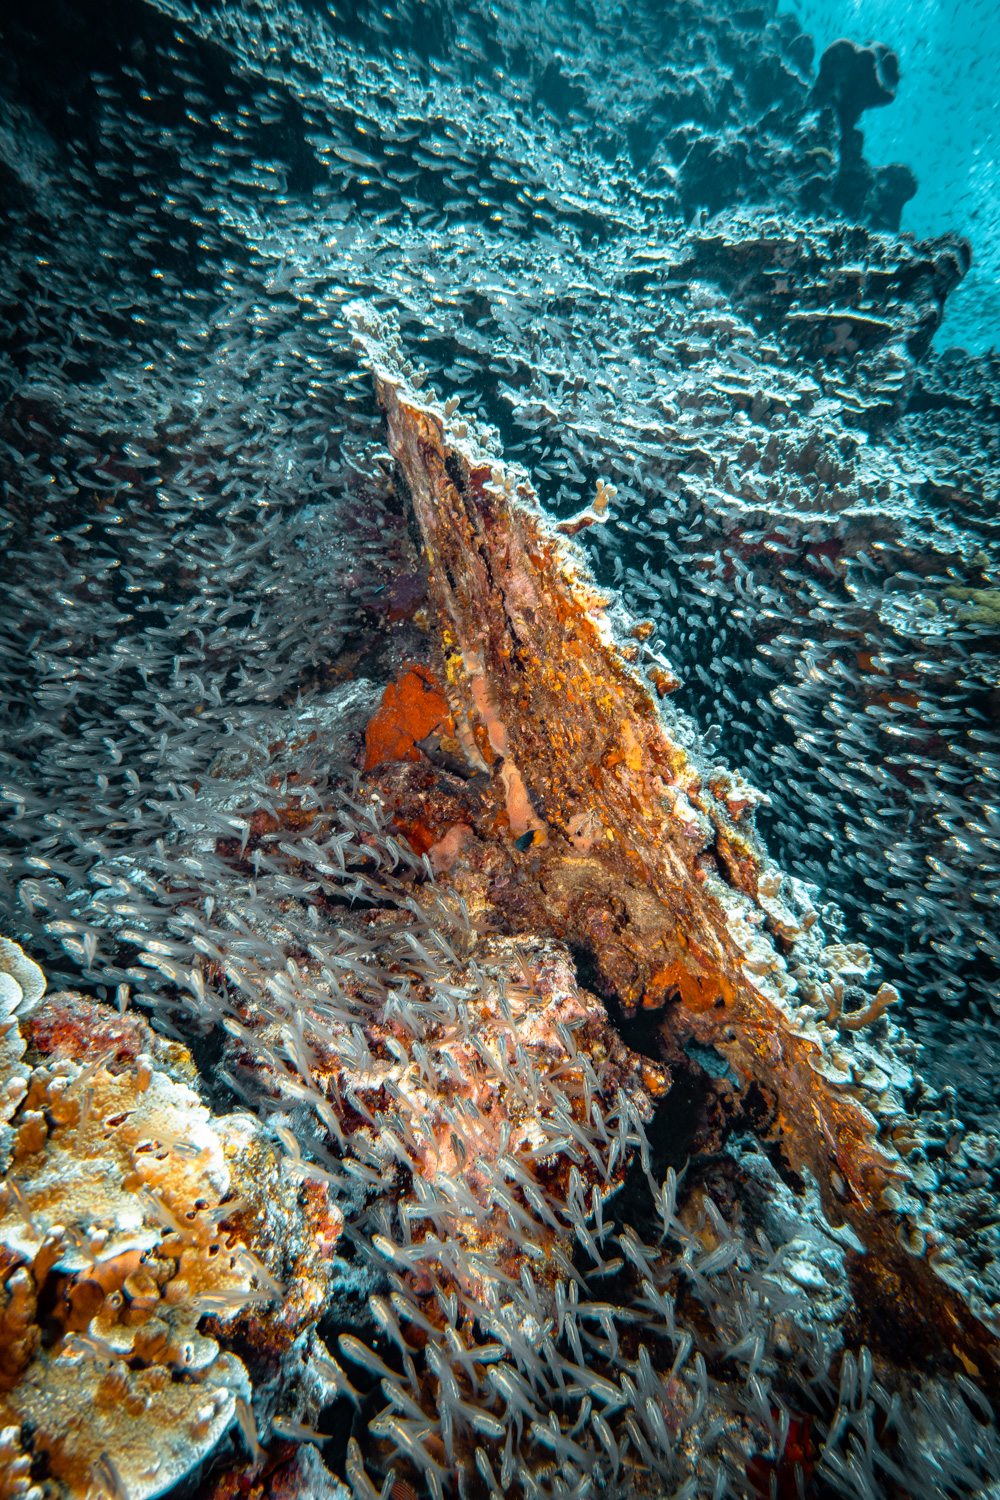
[
  {"x": 645, "y": 853},
  {"x": 500, "y": 600}
]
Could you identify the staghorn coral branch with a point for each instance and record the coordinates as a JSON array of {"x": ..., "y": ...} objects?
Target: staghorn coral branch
[{"x": 857, "y": 1019}]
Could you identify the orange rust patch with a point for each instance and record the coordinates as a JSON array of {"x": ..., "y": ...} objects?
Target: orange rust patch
[
  {"x": 411, "y": 709},
  {"x": 909, "y": 700},
  {"x": 417, "y": 834},
  {"x": 697, "y": 987},
  {"x": 739, "y": 861},
  {"x": 655, "y": 1078},
  {"x": 664, "y": 682}
]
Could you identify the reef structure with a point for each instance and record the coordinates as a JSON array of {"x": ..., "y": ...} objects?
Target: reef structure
[
  {"x": 136, "y": 1235},
  {"x": 646, "y": 856},
  {"x": 216, "y": 581}
]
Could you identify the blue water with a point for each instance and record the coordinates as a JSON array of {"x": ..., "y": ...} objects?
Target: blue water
[{"x": 945, "y": 124}]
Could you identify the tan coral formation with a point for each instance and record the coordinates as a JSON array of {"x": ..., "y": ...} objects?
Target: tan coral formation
[
  {"x": 22, "y": 985},
  {"x": 675, "y": 896},
  {"x": 119, "y": 1212}
]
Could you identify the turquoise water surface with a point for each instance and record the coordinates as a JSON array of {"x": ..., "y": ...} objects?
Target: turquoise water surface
[{"x": 945, "y": 124}]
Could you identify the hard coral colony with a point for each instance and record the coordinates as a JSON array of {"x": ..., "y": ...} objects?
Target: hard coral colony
[{"x": 449, "y": 1094}]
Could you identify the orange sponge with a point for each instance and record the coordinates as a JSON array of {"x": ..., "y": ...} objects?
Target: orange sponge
[{"x": 411, "y": 709}]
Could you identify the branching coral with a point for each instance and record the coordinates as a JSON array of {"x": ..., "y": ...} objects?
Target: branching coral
[{"x": 15, "y": 1468}]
